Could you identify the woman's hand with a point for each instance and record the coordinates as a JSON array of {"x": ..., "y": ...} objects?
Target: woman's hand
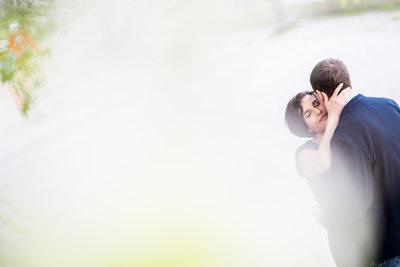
[
  {"x": 336, "y": 103},
  {"x": 321, "y": 160}
]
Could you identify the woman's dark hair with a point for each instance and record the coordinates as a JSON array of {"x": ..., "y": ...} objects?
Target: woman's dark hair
[{"x": 293, "y": 116}]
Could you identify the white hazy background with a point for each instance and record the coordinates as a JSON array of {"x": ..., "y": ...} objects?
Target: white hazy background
[{"x": 158, "y": 139}]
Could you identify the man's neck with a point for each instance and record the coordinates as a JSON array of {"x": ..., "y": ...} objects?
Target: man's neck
[{"x": 353, "y": 93}]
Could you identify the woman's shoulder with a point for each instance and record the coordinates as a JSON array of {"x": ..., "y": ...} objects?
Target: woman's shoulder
[{"x": 307, "y": 145}]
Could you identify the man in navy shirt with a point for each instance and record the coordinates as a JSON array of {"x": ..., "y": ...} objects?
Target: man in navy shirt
[{"x": 362, "y": 211}]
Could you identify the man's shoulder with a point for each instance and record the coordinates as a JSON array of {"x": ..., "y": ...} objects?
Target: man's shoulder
[
  {"x": 366, "y": 115},
  {"x": 376, "y": 102},
  {"x": 363, "y": 106}
]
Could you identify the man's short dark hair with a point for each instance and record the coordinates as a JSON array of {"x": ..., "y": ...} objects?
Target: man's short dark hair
[
  {"x": 293, "y": 116},
  {"x": 328, "y": 74}
]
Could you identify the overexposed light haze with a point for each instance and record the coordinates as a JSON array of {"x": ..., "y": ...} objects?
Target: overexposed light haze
[{"x": 158, "y": 137}]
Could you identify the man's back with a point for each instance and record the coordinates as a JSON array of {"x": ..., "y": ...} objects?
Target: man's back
[{"x": 367, "y": 144}]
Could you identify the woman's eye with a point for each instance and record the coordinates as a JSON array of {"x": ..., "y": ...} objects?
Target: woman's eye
[
  {"x": 308, "y": 114},
  {"x": 316, "y": 103}
]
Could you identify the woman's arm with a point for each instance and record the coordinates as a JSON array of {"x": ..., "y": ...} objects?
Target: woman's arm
[{"x": 317, "y": 161}]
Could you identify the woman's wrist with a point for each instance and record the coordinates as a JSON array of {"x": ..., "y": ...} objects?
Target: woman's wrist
[{"x": 333, "y": 118}]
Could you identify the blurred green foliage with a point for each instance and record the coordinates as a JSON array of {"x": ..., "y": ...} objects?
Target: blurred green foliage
[
  {"x": 36, "y": 20},
  {"x": 34, "y": 16},
  {"x": 359, "y": 6},
  {"x": 344, "y": 3},
  {"x": 389, "y": 7},
  {"x": 360, "y": 9}
]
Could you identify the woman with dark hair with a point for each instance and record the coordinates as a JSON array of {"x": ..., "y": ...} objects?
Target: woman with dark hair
[{"x": 306, "y": 116}]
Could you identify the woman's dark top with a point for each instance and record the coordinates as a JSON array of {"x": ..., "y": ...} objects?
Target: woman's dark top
[{"x": 307, "y": 145}]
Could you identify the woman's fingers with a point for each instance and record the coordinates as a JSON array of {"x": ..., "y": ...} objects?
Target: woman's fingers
[
  {"x": 346, "y": 91},
  {"x": 319, "y": 96},
  {"x": 325, "y": 97},
  {"x": 316, "y": 93},
  {"x": 337, "y": 90},
  {"x": 345, "y": 94}
]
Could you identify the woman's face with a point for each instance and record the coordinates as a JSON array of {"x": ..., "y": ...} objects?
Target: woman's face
[{"x": 314, "y": 114}]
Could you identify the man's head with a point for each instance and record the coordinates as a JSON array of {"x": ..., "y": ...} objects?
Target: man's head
[{"x": 328, "y": 74}]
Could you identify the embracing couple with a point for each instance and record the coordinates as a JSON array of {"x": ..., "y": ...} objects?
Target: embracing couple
[{"x": 352, "y": 165}]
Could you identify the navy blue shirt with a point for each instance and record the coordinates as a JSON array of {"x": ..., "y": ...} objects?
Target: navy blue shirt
[{"x": 366, "y": 153}]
